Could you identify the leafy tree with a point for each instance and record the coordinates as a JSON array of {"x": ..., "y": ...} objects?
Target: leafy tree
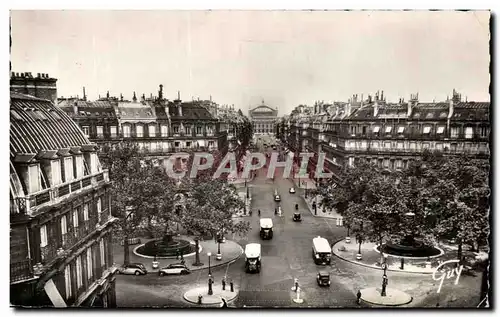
[{"x": 209, "y": 209}]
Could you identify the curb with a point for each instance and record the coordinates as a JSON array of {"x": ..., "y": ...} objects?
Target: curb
[
  {"x": 373, "y": 266},
  {"x": 406, "y": 302},
  {"x": 165, "y": 257},
  {"x": 220, "y": 263}
]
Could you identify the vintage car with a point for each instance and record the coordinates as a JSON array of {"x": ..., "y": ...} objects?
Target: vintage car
[
  {"x": 172, "y": 269},
  {"x": 292, "y": 190},
  {"x": 133, "y": 269},
  {"x": 296, "y": 216},
  {"x": 323, "y": 278}
]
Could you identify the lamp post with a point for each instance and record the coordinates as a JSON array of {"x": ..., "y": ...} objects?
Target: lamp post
[
  {"x": 384, "y": 277},
  {"x": 209, "y": 254}
]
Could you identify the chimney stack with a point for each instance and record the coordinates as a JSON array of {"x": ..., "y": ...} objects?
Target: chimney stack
[
  {"x": 84, "y": 94},
  {"x": 160, "y": 93},
  {"x": 121, "y": 97},
  {"x": 134, "y": 98},
  {"x": 178, "y": 95},
  {"x": 143, "y": 97},
  {"x": 107, "y": 94}
]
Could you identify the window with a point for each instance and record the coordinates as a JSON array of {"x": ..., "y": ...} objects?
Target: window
[
  {"x": 399, "y": 163},
  {"x": 68, "y": 169},
  {"x": 427, "y": 130},
  {"x": 468, "y": 132},
  {"x": 100, "y": 132},
  {"x": 154, "y": 146},
  {"x": 352, "y": 144},
  {"x": 101, "y": 246},
  {"x": 364, "y": 130},
  {"x": 43, "y": 236},
  {"x": 79, "y": 166},
  {"x": 353, "y": 130},
  {"x": 387, "y": 145},
  {"x": 401, "y": 145},
  {"x": 93, "y": 163},
  {"x": 440, "y": 130},
  {"x": 483, "y": 132},
  {"x": 363, "y": 144},
  {"x": 75, "y": 218},
  {"x": 99, "y": 209},
  {"x": 426, "y": 145},
  {"x": 113, "y": 131},
  {"x": 67, "y": 281},
  {"x": 401, "y": 129},
  {"x": 386, "y": 163},
  {"x": 413, "y": 145},
  {"x": 188, "y": 130},
  {"x": 211, "y": 144},
  {"x": 376, "y": 129},
  {"x": 165, "y": 145},
  {"x": 79, "y": 280},
  {"x": 86, "y": 131},
  {"x": 152, "y": 130},
  {"x": 86, "y": 212},
  {"x": 375, "y": 145},
  {"x": 34, "y": 178},
  {"x": 89, "y": 263},
  {"x": 177, "y": 143},
  {"x": 126, "y": 131},
  {"x": 351, "y": 161},
  {"x": 210, "y": 130},
  {"x": 199, "y": 130},
  {"x": 439, "y": 146},
  {"x": 56, "y": 172},
  {"x": 176, "y": 129},
  {"x": 139, "y": 129},
  {"x": 188, "y": 144},
  {"x": 164, "y": 130},
  {"x": 388, "y": 129},
  {"x": 64, "y": 225}
]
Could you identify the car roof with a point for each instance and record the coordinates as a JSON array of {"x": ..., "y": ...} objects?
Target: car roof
[
  {"x": 138, "y": 264},
  {"x": 324, "y": 273},
  {"x": 177, "y": 264}
]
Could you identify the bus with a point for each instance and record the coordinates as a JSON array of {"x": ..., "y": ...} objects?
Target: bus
[{"x": 321, "y": 251}]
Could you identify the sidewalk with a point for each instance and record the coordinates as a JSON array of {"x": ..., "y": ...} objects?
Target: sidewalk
[
  {"x": 371, "y": 258},
  {"x": 213, "y": 300},
  {"x": 230, "y": 251}
]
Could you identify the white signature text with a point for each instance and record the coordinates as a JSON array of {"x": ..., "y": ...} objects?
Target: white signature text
[{"x": 447, "y": 273}]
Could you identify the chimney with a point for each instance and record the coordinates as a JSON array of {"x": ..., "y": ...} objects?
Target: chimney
[
  {"x": 160, "y": 93},
  {"x": 452, "y": 108},
  {"x": 382, "y": 96},
  {"x": 37, "y": 75},
  {"x": 107, "y": 94},
  {"x": 412, "y": 103},
  {"x": 84, "y": 94},
  {"x": 121, "y": 97},
  {"x": 178, "y": 95},
  {"x": 75, "y": 108},
  {"x": 143, "y": 97},
  {"x": 179, "y": 109},
  {"x": 375, "y": 106},
  {"x": 348, "y": 108},
  {"x": 134, "y": 98}
]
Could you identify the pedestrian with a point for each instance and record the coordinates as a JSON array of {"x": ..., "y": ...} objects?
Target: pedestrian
[
  {"x": 296, "y": 206},
  {"x": 358, "y": 297},
  {"x": 224, "y": 303},
  {"x": 275, "y": 210},
  {"x": 259, "y": 212},
  {"x": 250, "y": 212}
]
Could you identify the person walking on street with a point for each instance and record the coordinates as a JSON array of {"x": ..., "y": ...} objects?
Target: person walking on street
[
  {"x": 258, "y": 212},
  {"x": 224, "y": 303}
]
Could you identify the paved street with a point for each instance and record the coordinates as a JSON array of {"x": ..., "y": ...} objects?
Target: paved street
[{"x": 285, "y": 257}]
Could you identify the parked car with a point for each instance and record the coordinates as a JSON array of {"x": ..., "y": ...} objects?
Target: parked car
[
  {"x": 323, "y": 278},
  {"x": 133, "y": 269},
  {"x": 292, "y": 190},
  {"x": 276, "y": 196},
  {"x": 174, "y": 269}
]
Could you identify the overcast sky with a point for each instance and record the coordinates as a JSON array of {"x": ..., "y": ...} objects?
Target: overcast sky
[{"x": 242, "y": 57}]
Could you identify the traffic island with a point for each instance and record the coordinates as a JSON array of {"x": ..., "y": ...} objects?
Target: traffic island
[
  {"x": 193, "y": 296},
  {"x": 394, "y": 297}
]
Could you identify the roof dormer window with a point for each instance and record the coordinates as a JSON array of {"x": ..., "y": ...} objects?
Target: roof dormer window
[
  {"x": 427, "y": 130},
  {"x": 388, "y": 129}
]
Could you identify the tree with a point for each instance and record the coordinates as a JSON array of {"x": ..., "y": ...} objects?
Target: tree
[
  {"x": 210, "y": 207},
  {"x": 124, "y": 162}
]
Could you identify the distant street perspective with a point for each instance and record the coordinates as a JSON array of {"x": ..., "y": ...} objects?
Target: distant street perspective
[{"x": 250, "y": 159}]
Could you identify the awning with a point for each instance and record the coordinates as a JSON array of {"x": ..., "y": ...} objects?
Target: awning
[{"x": 54, "y": 295}]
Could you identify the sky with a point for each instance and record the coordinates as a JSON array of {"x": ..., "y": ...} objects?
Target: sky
[{"x": 285, "y": 58}]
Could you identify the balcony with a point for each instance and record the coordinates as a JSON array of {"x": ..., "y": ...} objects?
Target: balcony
[
  {"x": 56, "y": 193},
  {"x": 21, "y": 271}
]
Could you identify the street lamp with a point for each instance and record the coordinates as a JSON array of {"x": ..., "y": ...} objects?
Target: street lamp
[
  {"x": 384, "y": 277},
  {"x": 209, "y": 254}
]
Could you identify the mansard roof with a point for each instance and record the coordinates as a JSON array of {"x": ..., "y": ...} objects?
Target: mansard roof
[
  {"x": 38, "y": 125},
  {"x": 190, "y": 111}
]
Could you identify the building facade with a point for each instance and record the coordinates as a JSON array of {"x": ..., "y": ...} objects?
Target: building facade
[
  {"x": 387, "y": 134},
  {"x": 263, "y": 119},
  {"x": 60, "y": 211},
  {"x": 159, "y": 126}
]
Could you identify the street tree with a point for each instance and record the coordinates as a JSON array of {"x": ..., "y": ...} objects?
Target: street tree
[
  {"x": 209, "y": 210},
  {"x": 124, "y": 162}
]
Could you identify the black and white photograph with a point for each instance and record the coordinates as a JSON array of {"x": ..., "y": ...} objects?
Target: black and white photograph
[{"x": 248, "y": 159}]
